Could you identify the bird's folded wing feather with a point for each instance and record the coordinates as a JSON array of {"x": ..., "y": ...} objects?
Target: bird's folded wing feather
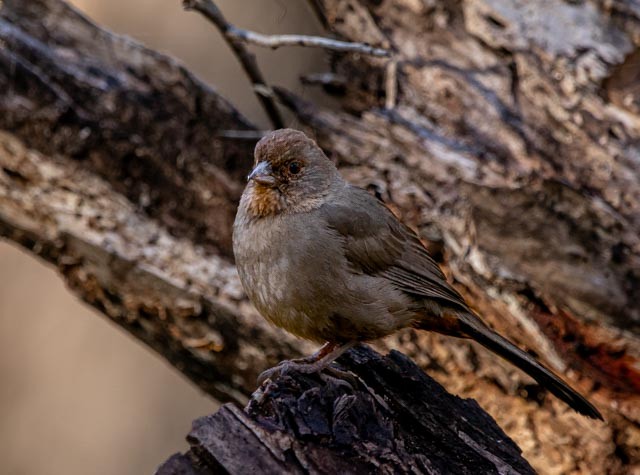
[{"x": 376, "y": 243}]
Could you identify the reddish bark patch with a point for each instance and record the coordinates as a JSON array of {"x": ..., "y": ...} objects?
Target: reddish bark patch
[{"x": 584, "y": 347}]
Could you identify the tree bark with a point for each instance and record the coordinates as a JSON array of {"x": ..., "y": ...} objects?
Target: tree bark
[
  {"x": 508, "y": 137},
  {"x": 391, "y": 418}
]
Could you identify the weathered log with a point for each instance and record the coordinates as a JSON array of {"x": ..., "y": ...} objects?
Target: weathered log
[
  {"x": 391, "y": 418},
  {"x": 514, "y": 157}
]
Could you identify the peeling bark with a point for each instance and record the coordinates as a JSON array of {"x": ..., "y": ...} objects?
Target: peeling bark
[{"x": 513, "y": 149}]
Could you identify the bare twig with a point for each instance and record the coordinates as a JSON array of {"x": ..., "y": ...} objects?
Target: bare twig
[
  {"x": 277, "y": 41},
  {"x": 209, "y": 10},
  {"x": 236, "y": 37}
]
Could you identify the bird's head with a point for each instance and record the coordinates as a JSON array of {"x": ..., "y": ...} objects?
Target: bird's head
[{"x": 290, "y": 174}]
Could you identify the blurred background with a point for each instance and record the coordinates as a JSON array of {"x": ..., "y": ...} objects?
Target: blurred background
[{"x": 77, "y": 394}]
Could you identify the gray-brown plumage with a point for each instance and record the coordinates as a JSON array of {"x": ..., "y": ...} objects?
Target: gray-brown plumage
[{"x": 328, "y": 262}]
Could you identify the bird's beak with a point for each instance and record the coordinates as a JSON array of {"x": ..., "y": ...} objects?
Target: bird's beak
[{"x": 263, "y": 174}]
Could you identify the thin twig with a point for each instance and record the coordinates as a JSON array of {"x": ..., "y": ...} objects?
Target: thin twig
[
  {"x": 210, "y": 11},
  {"x": 277, "y": 41}
]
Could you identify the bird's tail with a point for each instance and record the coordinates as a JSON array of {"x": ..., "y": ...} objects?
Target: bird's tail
[{"x": 474, "y": 328}]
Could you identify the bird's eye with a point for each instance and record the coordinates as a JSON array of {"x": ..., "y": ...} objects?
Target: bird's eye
[{"x": 294, "y": 168}]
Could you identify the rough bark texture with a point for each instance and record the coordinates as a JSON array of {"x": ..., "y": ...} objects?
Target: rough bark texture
[
  {"x": 391, "y": 419},
  {"x": 132, "y": 116},
  {"x": 512, "y": 147}
]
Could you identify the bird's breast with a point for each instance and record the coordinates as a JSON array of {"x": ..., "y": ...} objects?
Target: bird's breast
[
  {"x": 282, "y": 268},
  {"x": 295, "y": 273}
]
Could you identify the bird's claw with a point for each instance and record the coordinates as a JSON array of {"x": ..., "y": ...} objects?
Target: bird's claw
[
  {"x": 326, "y": 373},
  {"x": 283, "y": 368}
]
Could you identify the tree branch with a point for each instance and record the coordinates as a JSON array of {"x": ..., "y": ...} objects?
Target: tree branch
[
  {"x": 278, "y": 41},
  {"x": 81, "y": 92},
  {"x": 248, "y": 61}
]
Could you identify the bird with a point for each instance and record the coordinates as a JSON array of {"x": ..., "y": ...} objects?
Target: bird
[{"x": 328, "y": 262}]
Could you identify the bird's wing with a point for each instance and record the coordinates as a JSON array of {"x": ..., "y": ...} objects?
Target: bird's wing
[{"x": 376, "y": 243}]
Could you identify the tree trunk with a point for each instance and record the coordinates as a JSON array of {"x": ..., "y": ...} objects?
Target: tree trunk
[{"x": 505, "y": 132}]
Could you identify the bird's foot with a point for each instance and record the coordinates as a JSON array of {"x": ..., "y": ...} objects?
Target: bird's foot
[
  {"x": 286, "y": 366},
  {"x": 326, "y": 373},
  {"x": 311, "y": 364}
]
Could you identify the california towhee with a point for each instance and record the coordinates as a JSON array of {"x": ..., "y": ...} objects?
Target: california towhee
[{"x": 328, "y": 262}]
